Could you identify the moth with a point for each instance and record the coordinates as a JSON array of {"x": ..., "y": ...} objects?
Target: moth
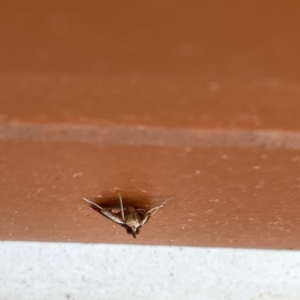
[{"x": 128, "y": 217}]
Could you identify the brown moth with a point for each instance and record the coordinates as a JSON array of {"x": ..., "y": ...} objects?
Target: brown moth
[{"x": 129, "y": 217}]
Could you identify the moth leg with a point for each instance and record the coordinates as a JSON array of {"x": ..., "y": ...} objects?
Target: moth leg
[
  {"x": 145, "y": 219},
  {"x": 153, "y": 210},
  {"x": 122, "y": 208},
  {"x": 92, "y": 203}
]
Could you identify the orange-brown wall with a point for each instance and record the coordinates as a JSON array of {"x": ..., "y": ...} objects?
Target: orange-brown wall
[{"x": 198, "y": 101}]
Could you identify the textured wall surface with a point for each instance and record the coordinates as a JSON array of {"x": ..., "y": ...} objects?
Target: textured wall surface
[{"x": 198, "y": 101}]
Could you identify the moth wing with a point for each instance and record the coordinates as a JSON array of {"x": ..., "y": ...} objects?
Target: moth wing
[{"x": 107, "y": 213}]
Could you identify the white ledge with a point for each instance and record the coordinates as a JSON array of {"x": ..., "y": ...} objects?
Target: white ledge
[{"x": 32, "y": 271}]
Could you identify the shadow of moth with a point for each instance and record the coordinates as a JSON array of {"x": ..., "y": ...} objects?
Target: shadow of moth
[{"x": 129, "y": 217}]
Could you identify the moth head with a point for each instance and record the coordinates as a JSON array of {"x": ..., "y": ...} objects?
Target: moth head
[{"x": 133, "y": 230}]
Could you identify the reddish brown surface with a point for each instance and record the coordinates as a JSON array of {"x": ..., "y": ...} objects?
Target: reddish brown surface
[
  {"x": 222, "y": 197},
  {"x": 158, "y": 99}
]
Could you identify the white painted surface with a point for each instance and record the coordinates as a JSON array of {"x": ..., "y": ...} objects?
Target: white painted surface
[{"x": 113, "y": 272}]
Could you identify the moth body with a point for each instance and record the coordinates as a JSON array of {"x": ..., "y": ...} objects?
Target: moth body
[{"x": 129, "y": 217}]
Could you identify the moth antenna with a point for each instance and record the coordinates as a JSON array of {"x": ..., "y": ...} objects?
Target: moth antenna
[
  {"x": 153, "y": 210},
  {"x": 122, "y": 208},
  {"x": 92, "y": 203}
]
